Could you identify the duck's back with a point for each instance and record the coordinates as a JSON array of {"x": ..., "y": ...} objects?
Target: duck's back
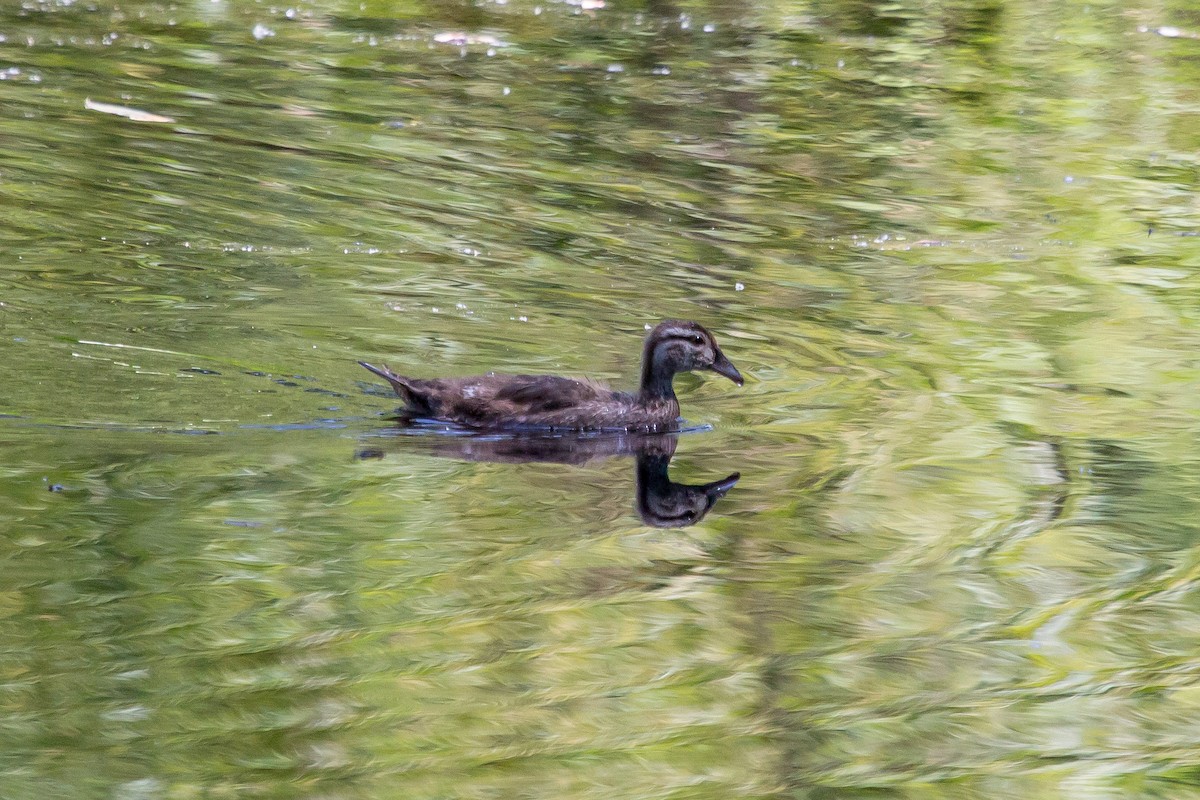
[{"x": 514, "y": 401}]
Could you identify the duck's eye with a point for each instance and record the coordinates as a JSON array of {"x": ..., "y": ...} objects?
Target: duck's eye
[{"x": 696, "y": 339}]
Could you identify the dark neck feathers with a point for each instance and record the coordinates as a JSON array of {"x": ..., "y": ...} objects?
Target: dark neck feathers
[{"x": 658, "y": 372}]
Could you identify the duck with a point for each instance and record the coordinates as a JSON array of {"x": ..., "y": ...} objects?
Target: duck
[{"x": 497, "y": 402}]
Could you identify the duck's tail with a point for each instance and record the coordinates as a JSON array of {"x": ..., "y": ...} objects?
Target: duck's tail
[{"x": 403, "y": 386}]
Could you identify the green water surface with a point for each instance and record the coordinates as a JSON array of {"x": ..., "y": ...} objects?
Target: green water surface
[{"x": 953, "y": 245}]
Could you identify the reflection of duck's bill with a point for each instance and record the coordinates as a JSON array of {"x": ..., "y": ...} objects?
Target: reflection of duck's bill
[{"x": 718, "y": 489}]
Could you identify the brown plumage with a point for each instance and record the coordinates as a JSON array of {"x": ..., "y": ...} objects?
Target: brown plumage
[{"x": 548, "y": 401}]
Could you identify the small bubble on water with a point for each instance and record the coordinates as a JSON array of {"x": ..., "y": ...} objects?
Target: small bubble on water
[
  {"x": 739, "y": 286},
  {"x": 709, "y": 28},
  {"x": 507, "y": 91},
  {"x": 260, "y": 31}
]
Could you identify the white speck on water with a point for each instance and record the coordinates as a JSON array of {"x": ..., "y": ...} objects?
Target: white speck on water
[
  {"x": 840, "y": 63},
  {"x": 616, "y": 68},
  {"x": 739, "y": 287},
  {"x": 1069, "y": 179},
  {"x": 290, "y": 13},
  {"x": 460, "y": 306},
  {"x": 523, "y": 318},
  {"x": 1169, "y": 31},
  {"x": 664, "y": 70},
  {"x": 647, "y": 326},
  {"x": 507, "y": 91},
  {"x": 709, "y": 28},
  {"x": 142, "y": 787},
  {"x": 260, "y": 31}
]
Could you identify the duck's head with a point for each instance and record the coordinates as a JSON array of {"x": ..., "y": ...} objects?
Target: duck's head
[{"x": 681, "y": 345}]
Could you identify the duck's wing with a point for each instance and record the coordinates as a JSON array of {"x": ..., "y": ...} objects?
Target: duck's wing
[{"x": 539, "y": 394}]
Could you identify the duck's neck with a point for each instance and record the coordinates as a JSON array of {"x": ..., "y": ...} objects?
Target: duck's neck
[{"x": 657, "y": 375}]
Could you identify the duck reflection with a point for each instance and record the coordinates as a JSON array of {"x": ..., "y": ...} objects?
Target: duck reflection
[
  {"x": 665, "y": 504},
  {"x": 661, "y": 502}
]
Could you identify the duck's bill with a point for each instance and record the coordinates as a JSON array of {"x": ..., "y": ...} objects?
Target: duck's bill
[
  {"x": 723, "y": 366},
  {"x": 719, "y": 488}
]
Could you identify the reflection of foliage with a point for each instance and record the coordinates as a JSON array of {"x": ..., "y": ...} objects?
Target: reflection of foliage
[{"x": 961, "y": 561}]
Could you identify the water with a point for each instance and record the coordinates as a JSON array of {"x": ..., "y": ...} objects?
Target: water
[{"x": 952, "y": 246}]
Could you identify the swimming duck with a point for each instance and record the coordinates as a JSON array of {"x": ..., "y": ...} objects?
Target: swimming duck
[{"x": 547, "y": 401}]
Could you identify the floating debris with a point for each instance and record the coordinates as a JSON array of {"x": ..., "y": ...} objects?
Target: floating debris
[
  {"x": 135, "y": 114},
  {"x": 462, "y": 39}
]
